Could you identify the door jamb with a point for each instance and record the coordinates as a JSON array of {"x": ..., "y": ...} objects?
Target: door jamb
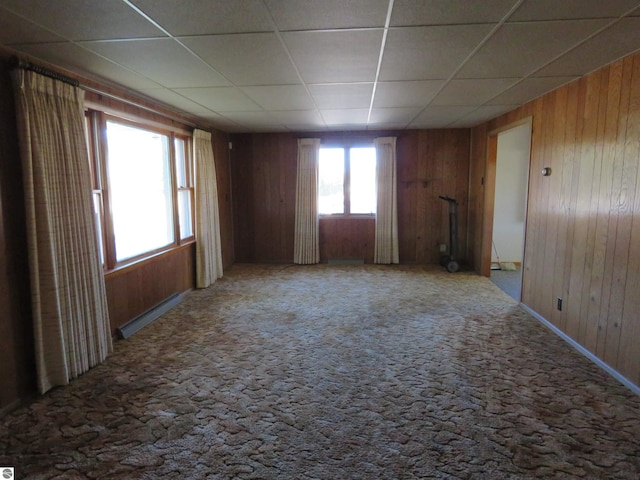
[{"x": 490, "y": 191}]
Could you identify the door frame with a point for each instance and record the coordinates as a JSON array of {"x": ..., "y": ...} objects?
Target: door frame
[{"x": 490, "y": 192}]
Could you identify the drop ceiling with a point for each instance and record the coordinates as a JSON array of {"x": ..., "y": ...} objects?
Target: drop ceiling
[{"x": 312, "y": 65}]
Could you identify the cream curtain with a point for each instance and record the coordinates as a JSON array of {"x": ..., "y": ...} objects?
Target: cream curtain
[
  {"x": 306, "y": 248},
  {"x": 208, "y": 248},
  {"x": 70, "y": 315},
  {"x": 386, "y": 241}
]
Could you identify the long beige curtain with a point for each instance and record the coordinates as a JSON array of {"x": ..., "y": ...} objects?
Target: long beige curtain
[
  {"x": 208, "y": 247},
  {"x": 306, "y": 248},
  {"x": 70, "y": 315},
  {"x": 386, "y": 240}
]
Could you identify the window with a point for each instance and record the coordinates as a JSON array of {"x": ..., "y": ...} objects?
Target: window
[
  {"x": 184, "y": 178},
  {"x": 96, "y": 184},
  {"x": 347, "y": 181},
  {"x": 142, "y": 188},
  {"x": 138, "y": 162}
]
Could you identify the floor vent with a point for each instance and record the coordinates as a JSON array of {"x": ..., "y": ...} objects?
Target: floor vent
[
  {"x": 141, "y": 321},
  {"x": 346, "y": 261}
]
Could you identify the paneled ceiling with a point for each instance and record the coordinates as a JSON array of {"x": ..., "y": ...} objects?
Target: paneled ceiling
[{"x": 309, "y": 65}]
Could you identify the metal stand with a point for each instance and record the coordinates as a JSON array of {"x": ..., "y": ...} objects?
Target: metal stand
[{"x": 450, "y": 261}]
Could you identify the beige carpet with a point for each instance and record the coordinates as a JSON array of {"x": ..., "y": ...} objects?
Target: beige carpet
[{"x": 335, "y": 372}]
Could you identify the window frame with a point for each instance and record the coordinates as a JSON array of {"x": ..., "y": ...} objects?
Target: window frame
[
  {"x": 346, "y": 186},
  {"x": 190, "y": 184},
  {"x": 96, "y": 123}
]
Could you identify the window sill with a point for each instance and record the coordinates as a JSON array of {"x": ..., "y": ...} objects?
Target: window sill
[{"x": 345, "y": 216}]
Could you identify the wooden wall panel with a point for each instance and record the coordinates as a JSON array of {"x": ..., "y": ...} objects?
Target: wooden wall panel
[
  {"x": 220, "y": 142},
  {"x": 347, "y": 238},
  {"x": 17, "y": 367},
  {"x": 478, "y": 149},
  {"x": 264, "y": 186},
  {"x": 138, "y": 288},
  {"x": 430, "y": 163},
  {"x": 583, "y": 222}
]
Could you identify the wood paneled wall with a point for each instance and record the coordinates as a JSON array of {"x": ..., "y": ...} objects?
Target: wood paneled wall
[
  {"x": 17, "y": 365},
  {"x": 263, "y": 173},
  {"x": 138, "y": 288},
  {"x": 430, "y": 163},
  {"x": 223, "y": 173},
  {"x": 347, "y": 238},
  {"x": 583, "y": 225}
]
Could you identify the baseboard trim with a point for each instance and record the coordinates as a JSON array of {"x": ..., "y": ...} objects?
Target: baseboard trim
[
  {"x": 141, "y": 321},
  {"x": 604, "y": 366},
  {"x": 10, "y": 407}
]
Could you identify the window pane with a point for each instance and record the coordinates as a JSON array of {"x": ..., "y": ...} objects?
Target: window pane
[
  {"x": 181, "y": 163},
  {"x": 140, "y": 187},
  {"x": 184, "y": 210},
  {"x": 331, "y": 181},
  {"x": 363, "y": 180}
]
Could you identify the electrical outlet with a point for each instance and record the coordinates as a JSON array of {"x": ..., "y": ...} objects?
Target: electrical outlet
[
  {"x": 559, "y": 304},
  {"x": 443, "y": 248}
]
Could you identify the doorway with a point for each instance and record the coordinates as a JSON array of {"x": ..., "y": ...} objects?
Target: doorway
[{"x": 512, "y": 160}]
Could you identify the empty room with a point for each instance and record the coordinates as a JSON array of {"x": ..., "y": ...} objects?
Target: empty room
[{"x": 319, "y": 239}]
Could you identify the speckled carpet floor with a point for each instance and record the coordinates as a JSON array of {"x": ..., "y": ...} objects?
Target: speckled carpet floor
[{"x": 334, "y": 372}]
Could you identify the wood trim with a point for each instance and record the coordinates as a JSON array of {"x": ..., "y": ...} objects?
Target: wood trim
[{"x": 489, "y": 201}]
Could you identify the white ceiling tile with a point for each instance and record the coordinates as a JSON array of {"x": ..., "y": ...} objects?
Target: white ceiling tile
[
  {"x": 246, "y": 69},
  {"x": 203, "y": 17},
  {"x": 395, "y": 116},
  {"x": 440, "y": 117},
  {"x": 518, "y": 49},
  {"x": 174, "y": 99},
  {"x": 164, "y": 60},
  {"x": 327, "y": 14},
  {"x": 85, "y": 62},
  {"x": 448, "y": 12},
  {"x": 423, "y": 53},
  {"x": 86, "y": 19},
  {"x": 257, "y": 121},
  {"x": 472, "y": 92},
  {"x": 337, "y": 56},
  {"x": 300, "y": 119},
  {"x": 344, "y": 117},
  {"x": 14, "y": 29},
  {"x": 246, "y": 59},
  {"x": 220, "y": 99},
  {"x": 406, "y": 94},
  {"x": 571, "y": 9},
  {"x": 528, "y": 89},
  {"x": 482, "y": 114},
  {"x": 619, "y": 40},
  {"x": 223, "y": 123},
  {"x": 342, "y": 95},
  {"x": 280, "y": 97}
]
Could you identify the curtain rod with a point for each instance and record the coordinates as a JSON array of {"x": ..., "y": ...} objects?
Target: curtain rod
[{"x": 16, "y": 62}]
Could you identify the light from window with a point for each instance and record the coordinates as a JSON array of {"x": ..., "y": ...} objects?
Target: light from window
[
  {"x": 331, "y": 181},
  {"x": 97, "y": 216},
  {"x": 339, "y": 167},
  {"x": 362, "y": 162},
  {"x": 140, "y": 188},
  {"x": 185, "y": 189}
]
